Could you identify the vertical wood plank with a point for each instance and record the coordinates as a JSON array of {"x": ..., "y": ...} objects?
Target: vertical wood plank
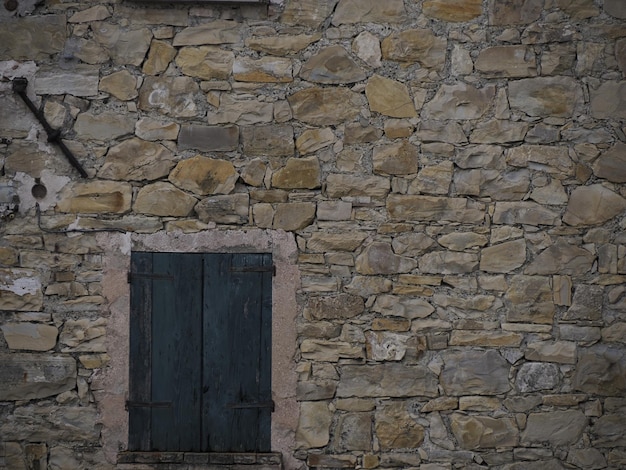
[
  {"x": 140, "y": 360},
  {"x": 177, "y": 352},
  {"x": 238, "y": 352}
]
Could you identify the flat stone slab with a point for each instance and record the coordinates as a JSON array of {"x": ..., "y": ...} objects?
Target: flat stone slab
[{"x": 31, "y": 376}]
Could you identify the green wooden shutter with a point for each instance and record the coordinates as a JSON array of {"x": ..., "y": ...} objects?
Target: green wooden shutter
[{"x": 200, "y": 352}]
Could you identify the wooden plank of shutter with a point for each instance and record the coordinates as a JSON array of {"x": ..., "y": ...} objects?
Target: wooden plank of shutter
[
  {"x": 140, "y": 380},
  {"x": 237, "y": 354},
  {"x": 177, "y": 352}
]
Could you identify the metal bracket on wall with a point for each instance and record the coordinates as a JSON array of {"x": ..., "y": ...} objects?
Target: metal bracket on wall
[{"x": 19, "y": 86}]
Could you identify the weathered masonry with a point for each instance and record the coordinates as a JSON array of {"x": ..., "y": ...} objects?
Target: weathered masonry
[{"x": 313, "y": 234}]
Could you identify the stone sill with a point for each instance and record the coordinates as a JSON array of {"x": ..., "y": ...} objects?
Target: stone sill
[{"x": 199, "y": 460}]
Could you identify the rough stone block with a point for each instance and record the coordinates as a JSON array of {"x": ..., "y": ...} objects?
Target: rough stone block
[
  {"x": 31, "y": 376},
  {"x": 208, "y": 138},
  {"x": 32, "y": 37}
]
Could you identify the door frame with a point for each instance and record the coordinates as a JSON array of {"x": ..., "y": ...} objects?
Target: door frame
[{"x": 111, "y": 385}]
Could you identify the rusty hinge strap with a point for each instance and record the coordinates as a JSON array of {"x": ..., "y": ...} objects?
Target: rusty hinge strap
[
  {"x": 161, "y": 277},
  {"x": 19, "y": 86},
  {"x": 253, "y": 269},
  {"x": 259, "y": 404},
  {"x": 148, "y": 404}
]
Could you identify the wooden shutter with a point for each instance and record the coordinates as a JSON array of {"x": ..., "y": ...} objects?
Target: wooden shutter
[{"x": 200, "y": 352}]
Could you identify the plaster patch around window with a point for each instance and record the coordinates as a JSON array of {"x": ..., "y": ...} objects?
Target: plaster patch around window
[{"x": 111, "y": 384}]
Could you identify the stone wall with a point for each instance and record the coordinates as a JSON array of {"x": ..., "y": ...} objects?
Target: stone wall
[{"x": 453, "y": 174}]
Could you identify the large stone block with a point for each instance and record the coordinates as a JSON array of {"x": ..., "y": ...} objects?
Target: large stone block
[
  {"x": 213, "y": 32},
  {"x": 473, "y": 372},
  {"x": 506, "y": 12},
  {"x": 340, "y": 306},
  {"x": 524, "y": 212},
  {"x": 268, "y": 140},
  {"x": 506, "y": 61},
  {"x": 541, "y": 96},
  {"x": 368, "y": 11},
  {"x": 263, "y": 70},
  {"x": 137, "y": 160},
  {"x": 44, "y": 423},
  {"x": 342, "y": 185},
  {"x": 433, "y": 179},
  {"x": 438, "y": 131},
  {"x": 226, "y": 209},
  {"x": 459, "y": 101},
  {"x": 159, "y": 57},
  {"x": 30, "y": 336},
  {"x": 480, "y": 157},
  {"x": 615, "y": 8},
  {"x": 554, "y": 159},
  {"x": 204, "y": 176},
  {"x": 611, "y": 165},
  {"x": 416, "y": 46},
  {"x": 332, "y": 65},
  {"x": 126, "y": 46},
  {"x": 453, "y": 10},
  {"x": 208, "y": 138},
  {"x": 329, "y": 351},
  {"x": 379, "y": 258},
  {"x": 32, "y": 37},
  {"x": 32, "y": 376},
  {"x": 498, "y": 131},
  {"x": 396, "y": 428},
  {"x": 206, "y": 62},
  {"x": 562, "y": 258},
  {"x": 608, "y": 431},
  {"x": 322, "y": 242},
  {"x": 536, "y": 376},
  {"x": 96, "y": 197},
  {"x": 389, "y": 97},
  {"x": 391, "y": 380},
  {"x": 601, "y": 370},
  {"x": 309, "y": 13},
  {"x": 386, "y": 345},
  {"x": 152, "y": 15},
  {"x": 563, "y": 352},
  {"x": 504, "y": 257},
  {"x": 325, "y": 106},
  {"x": 529, "y": 299},
  {"x": 169, "y": 95},
  {"x": 312, "y": 140},
  {"x": 395, "y": 159},
  {"x": 491, "y": 339},
  {"x": 496, "y": 184},
  {"x": 430, "y": 208},
  {"x": 445, "y": 262},
  {"x": 20, "y": 289},
  {"x": 591, "y": 205},
  {"x": 354, "y": 432},
  {"x": 482, "y": 432},
  {"x": 104, "y": 126},
  {"x": 83, "y": 335},
  {"x": 285, "y": 44},
  {"x": 298, "y": 173},
  {"x": 164, "y": 199},
  {"x": 557, "y": 428},
  {"x": 241, "y": 109},
  {"x": 80, "y": 80}
]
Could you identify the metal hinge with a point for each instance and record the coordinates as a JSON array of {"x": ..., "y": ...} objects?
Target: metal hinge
[
  {"x": 148, "y": 404},
  {"x": 259, "y": 404},
  {"x": 162, "y": 277},
  {"x": 253, "y": 269}
]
